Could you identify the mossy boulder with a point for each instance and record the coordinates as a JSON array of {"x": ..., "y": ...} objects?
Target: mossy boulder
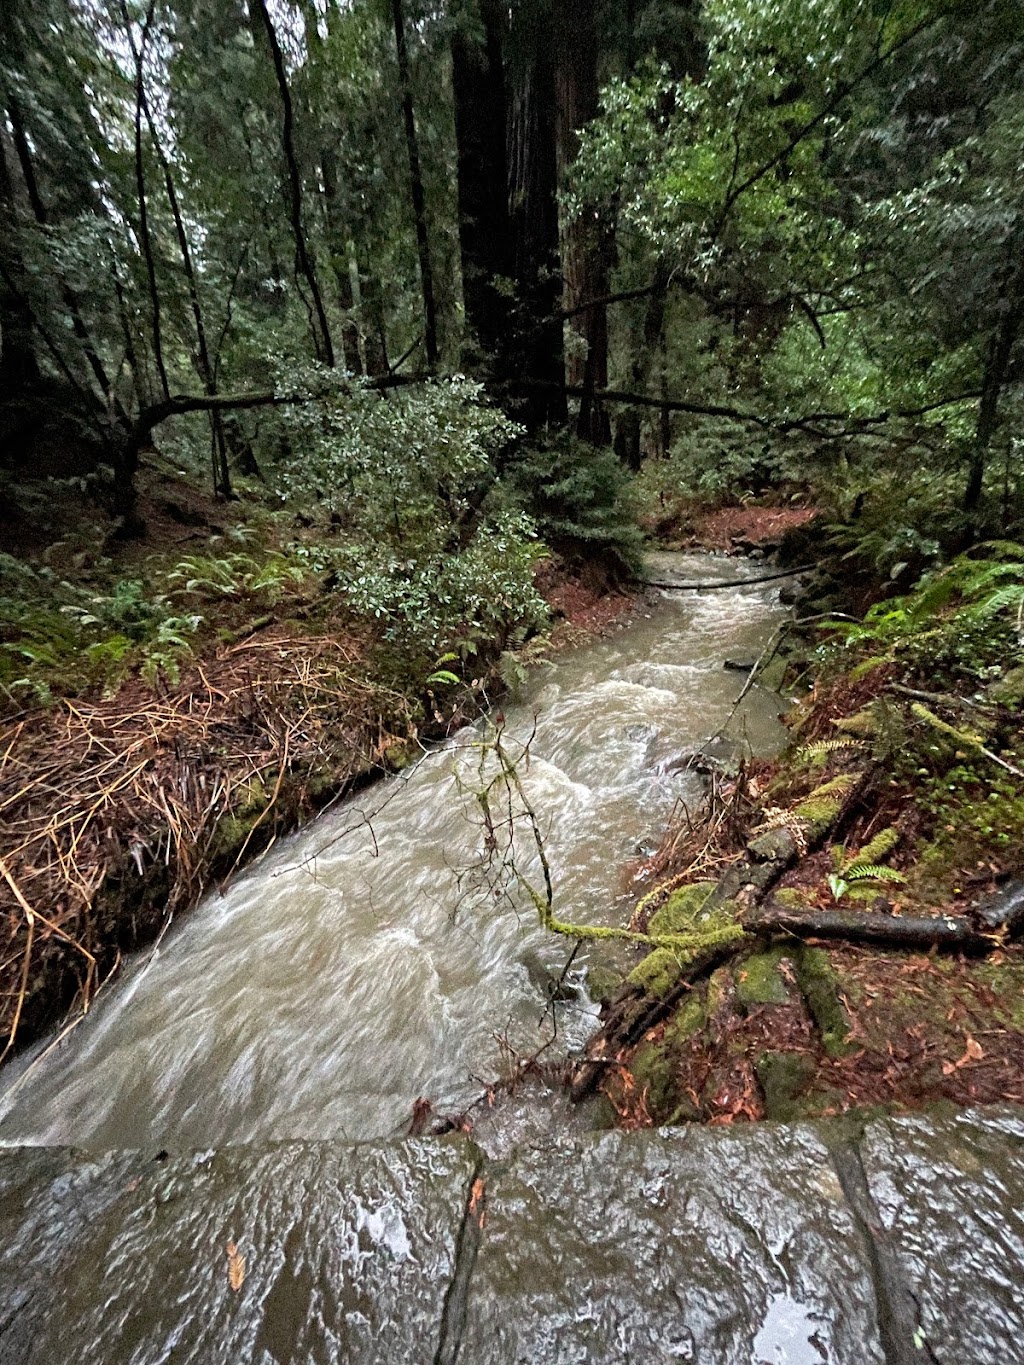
[
  {"x": 760, "y": 981},
  {"x": 657, "y": 973},
  {"x": 682, "y": 911},
  {"x": 783, "y": 1077},
  {"x": 688, "y": 1020},
  {"x": 684, "y": 918},
  {"x": 819, "y": 986},
  {"x": 654, "y": 1073},
  {"x": 603, "y": 982}
]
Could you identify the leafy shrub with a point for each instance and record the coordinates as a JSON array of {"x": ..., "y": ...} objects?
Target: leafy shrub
[
  {"x": 579, "y": 495},
  {"x": 481, "y": 595}
]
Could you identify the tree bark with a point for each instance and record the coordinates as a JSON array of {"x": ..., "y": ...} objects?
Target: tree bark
[
  {"x": 997, "y": 365},
  {"x": 627, "y": 435},
  {"x": 419, "y": 202},
  {"x": 919, "y": 933},
  {"x": 586, "y": 241},
  {"x": 322, "y": 342},
  {"x": 485, "y": 230},
  {"x": 145, "y": 239},
  {"x": 537, "y": 352},
  {"x": 19, "y": 368},
  {"x": 338, "y": 236}
]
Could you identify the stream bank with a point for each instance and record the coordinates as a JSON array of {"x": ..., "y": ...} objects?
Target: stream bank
[
  {"x": 875, "y": 871},
  {"x": 366, "y": 967},
  {"x": 117, "y": 813}
]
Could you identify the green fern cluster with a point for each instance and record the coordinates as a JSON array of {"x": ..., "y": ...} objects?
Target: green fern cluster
[
  {"x": 964, "y": 619},
  {"x": 237, "y": 575},
  {"x": 858, "y": 875}
]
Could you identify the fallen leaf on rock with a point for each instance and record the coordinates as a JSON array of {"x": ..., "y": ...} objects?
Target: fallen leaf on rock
[{"x": 236, "y": 1267}]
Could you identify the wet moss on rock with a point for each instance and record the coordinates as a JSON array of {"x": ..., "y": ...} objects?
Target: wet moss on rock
[
  {"x": 819, "y": 986},
  {"x": 783, "y": 1077},
  {"x": 682, "y": 911},
  {"x": 759, "y": 979},
  {"x": 822, "y": 808}
]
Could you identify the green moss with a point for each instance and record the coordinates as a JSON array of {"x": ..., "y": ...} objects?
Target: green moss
[
  {"x": 759, "y": 979},
  {"x": 230, "y": 836},
  {"x": 657, "y": 973},
  {"x": 401, "y": 754},
  {"x": 821, "y": 809},
  {"x": 688, "y": 1019},
  {"x": 1006, "y": 982},
  {"x": 694, "y": 929},
  {"x": 682, "y": 911},
  {"x": 603, "y": 982},
  {"x": 795, "y": 897},
  {"x": 820, "y": 987},
  {"x": 1009, "y": 690},
  {"x": 720, "y": 992},
  {"x": 783, "y": 1077},
  {"x": 654, "y": 1073},
  {"x": 863, "y": 723}
]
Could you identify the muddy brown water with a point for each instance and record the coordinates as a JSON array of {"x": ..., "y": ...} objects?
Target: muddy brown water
[{"x": 356, "y": 968}]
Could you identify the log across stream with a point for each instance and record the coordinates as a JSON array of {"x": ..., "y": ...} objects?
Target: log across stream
[{"x": 354, "y": 970}]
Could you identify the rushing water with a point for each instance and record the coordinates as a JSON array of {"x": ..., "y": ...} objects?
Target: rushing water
[{"x": 355, "y": 969}]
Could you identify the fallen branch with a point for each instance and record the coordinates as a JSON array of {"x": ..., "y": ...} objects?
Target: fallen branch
[
  {"x": 732, "y": 583},
  {"x": 919, "y": 933}
]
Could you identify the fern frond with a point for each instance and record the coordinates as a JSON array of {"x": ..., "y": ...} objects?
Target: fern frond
[
  {"x": 877, "y": 848},
  {"x": 874, "y": 872},
  {"x": 827, "y": 746}
]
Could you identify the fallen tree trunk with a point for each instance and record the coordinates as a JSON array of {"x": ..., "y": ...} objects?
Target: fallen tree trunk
[
  {"x": 948, "y": 933},
  {"x": 732, "y": 583}
]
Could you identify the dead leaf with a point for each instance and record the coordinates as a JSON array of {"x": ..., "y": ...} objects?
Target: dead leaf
[
  {"x": 973, "y": 1053},
  {"x": 236, "y": 1267},
  {"x": 477, "y": 1201}
]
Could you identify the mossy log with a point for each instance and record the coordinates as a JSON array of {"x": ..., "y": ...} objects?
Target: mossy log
[
  {"x": 948, "y": 933},
  {"x": 654, "y": 988}
]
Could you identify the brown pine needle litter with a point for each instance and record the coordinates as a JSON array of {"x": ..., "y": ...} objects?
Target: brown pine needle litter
[{"x": 116, "y": 815}]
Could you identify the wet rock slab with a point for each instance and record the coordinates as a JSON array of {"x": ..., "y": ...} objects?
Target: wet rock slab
[
  {"x": 348, "y": 1253},
  {"x": 723, "y": 1246},
  {"x": 949, "y": 1194},
  {"x": 705, "y": 1245}
]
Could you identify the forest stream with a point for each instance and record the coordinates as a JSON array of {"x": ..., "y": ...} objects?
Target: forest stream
[{"x": 357, "y": 968}]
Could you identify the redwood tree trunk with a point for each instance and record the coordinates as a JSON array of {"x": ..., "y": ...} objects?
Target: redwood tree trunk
[
  {"x": 485, "y": 241},
  {"x": 1004, "y": 338},
  {"x": 419, "y": 201},
  {"x": 338, "y": 234},
  {"x": 587, "y": 244},
  {"x": 537, "y": 350},
  {"x": 19, "y": 368}
]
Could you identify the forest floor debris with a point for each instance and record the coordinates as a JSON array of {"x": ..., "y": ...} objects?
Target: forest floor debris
[{"x": 900, "y": 804}]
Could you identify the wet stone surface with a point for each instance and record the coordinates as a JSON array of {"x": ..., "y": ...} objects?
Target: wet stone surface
[
  {"x": 950, "y": 1195},
  {"x": 702, "y": 1245},
  {"x": 341, "y": 1254},
  {"x": 710, "y": 1245}
]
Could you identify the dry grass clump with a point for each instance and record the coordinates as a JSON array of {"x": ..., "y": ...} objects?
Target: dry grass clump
[{"x": 114, "y": 815}]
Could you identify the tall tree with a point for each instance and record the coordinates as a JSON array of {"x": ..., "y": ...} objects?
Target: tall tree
[
  {"x": 587, "y": 242},
  {"x": 417, "y": 193},
  {"x": 481, "y": 132},
  {"x": 321, "y": 330},
  {"x": 537, "y": 348}
]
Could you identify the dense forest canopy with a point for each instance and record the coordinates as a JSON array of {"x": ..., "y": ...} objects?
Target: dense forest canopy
[{"x": 737, "y": 243}]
